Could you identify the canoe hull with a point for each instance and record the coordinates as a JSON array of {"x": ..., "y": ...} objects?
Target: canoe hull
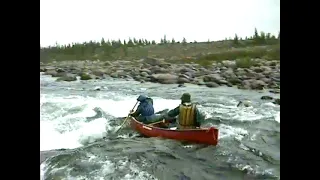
[{"x": 201, "y": 135}]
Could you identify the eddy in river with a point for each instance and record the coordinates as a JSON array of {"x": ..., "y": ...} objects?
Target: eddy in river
[
  {"x": 145, "y": 111},
  {"x": 189, "y": 115}
]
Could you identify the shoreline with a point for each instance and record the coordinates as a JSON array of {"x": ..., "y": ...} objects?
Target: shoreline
[{"x": 264, "y": 74}]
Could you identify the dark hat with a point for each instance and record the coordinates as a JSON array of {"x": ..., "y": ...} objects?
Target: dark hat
[
  {"x": 142, "y": 98},
  {"x": 186, "y": 97}
]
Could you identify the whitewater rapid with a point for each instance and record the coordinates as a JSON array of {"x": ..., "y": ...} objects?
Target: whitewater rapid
[
  {"x": 64, "y": 107},
  {"x": 61, "y": 129}
]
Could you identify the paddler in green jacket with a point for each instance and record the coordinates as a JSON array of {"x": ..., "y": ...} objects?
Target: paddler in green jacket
[{"x": 189, "y": 115}]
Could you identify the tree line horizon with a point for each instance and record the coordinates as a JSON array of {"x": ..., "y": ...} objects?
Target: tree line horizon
[
  {"x": 143, "y": 41},
  {"x": 107, "y": 48}
]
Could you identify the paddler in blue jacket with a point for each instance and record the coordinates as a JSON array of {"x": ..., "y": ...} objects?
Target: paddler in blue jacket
[
  {"x": 189, "y": 115},
  {"x": 145, "y": 111}
]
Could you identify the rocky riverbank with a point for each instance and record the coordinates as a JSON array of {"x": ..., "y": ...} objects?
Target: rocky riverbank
[{"x": 259, "y": 74}]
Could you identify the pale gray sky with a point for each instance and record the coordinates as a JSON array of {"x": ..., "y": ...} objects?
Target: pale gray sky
[{"x": 66, "y": 21}]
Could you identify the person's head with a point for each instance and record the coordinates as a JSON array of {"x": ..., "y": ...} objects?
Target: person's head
[
  {"x": 185, "y": 98},
  {"x": 142, "y": 98}
]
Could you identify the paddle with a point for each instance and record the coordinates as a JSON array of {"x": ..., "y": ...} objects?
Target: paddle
[
  {"x": 126, "y": 118},
  {"x": 162, "y": 121}
]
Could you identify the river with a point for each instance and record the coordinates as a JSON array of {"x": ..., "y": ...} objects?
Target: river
[{"x": 249, "y": 137}]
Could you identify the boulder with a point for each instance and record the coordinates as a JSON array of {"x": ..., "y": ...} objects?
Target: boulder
[
  {"x": 164, "y": 78},
  {"x": 266, "y": 98},
  {"x": 212, "y": 84}
]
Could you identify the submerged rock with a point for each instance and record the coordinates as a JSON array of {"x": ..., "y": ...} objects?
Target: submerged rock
[
  {"x": 212, "y": 84},
  {"x": 266, "y": 98},
  {"x": 68, "y": 77},
  {"x": 277, "y": 101},
  {"x": 47, "y": 154},
  {"x": 245, "y": 103}
]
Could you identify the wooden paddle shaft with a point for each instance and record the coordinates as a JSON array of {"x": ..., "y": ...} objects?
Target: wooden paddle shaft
[
  {"x": 162, "y": 121},
  {"x": 135, "y": 106},
  {"x": 127, "y": 117}
]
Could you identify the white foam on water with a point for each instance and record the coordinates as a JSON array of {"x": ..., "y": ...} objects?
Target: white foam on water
[
  {"x": 133, "y": 172},
  {"x": 137, "y": 173},
  {"x": 93, "y": 131},
  {"x": 234, "y": 113},
  {"x": 50, "y": 138},
  {"x": 270, "y": 104},
  {"x": 226, "y": 131},
  {"x": 42, "y": 170},
  {"x": 121, "y": 108},
  {"x": 277, "y": 118},
  {"x": 246, "y": 114},
  {"x": 60, "y": 129}
]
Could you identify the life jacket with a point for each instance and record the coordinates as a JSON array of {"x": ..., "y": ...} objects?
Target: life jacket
[{"x": 187, "y": 116}]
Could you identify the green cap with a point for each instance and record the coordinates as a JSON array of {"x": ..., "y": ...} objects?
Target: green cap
[{"x": 186, "y": 97}]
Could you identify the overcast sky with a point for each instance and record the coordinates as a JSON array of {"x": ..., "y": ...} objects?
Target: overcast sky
[{"x": 66, "y": 21}]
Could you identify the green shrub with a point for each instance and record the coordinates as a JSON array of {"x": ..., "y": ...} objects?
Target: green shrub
[{"x": 245, "y": 62}]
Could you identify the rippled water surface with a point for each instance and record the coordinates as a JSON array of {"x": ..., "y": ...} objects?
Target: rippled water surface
[{"x": 249, "y": 146}]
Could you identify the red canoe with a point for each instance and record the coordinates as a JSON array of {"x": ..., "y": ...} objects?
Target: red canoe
[{"x": 201, "y": 136}]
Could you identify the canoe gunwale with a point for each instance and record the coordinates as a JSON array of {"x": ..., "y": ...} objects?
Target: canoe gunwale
[
  {"x": 175, "y": 130},
  {"x": 204, "y": 135}
]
